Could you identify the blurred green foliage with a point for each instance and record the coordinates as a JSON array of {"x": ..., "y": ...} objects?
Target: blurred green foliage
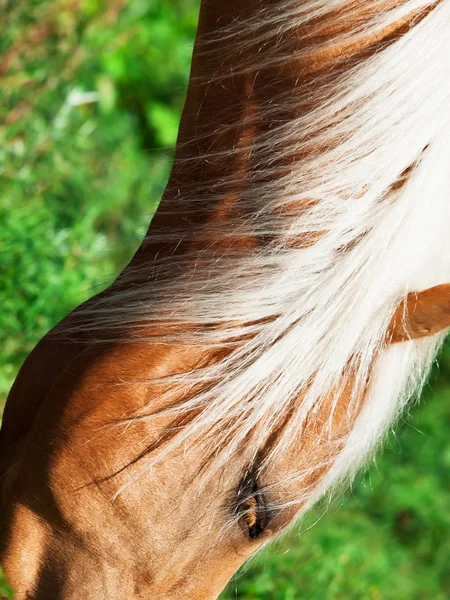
[
  {"x": 5, "y": 590},
  {"x": 90, "y": 97}
]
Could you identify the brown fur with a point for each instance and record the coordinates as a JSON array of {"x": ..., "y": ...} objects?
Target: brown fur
[{"x": 65, "y": 432}]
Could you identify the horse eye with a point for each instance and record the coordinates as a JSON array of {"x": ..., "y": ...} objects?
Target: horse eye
[{"x": 251, "y": 509}]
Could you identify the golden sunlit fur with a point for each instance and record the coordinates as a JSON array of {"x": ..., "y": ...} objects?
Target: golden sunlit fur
[{"x": 286, "y": 303}]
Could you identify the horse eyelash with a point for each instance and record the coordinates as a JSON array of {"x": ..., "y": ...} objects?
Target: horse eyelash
[
  {"x": 251, "y": 518},
  {"x": 252, "y": 510}
]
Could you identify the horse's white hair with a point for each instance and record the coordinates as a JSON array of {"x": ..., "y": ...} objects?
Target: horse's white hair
[{"x": 299, "y": 319}]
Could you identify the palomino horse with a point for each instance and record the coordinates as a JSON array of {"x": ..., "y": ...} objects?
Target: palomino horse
[{"x": 287, "y": 301}]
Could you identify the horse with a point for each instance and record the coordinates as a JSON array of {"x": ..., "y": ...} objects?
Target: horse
[{"x": 286, "y": 303}]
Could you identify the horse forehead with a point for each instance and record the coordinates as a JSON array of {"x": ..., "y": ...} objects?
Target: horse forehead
[
  {"x": 105, "y": 385},
  {"x": 100, "y": 374}
]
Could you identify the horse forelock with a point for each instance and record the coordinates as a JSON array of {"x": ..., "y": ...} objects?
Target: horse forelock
[{"x": 288, "y": 256}]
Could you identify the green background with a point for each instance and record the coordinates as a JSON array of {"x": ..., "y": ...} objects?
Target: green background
[{"x": 90, "y": 97}]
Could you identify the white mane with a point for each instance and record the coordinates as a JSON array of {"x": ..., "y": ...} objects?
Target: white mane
[{"x": 301, "y": 318}]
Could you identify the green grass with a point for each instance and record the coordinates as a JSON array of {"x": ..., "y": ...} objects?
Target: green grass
[{"x": 78, "y": 185}]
